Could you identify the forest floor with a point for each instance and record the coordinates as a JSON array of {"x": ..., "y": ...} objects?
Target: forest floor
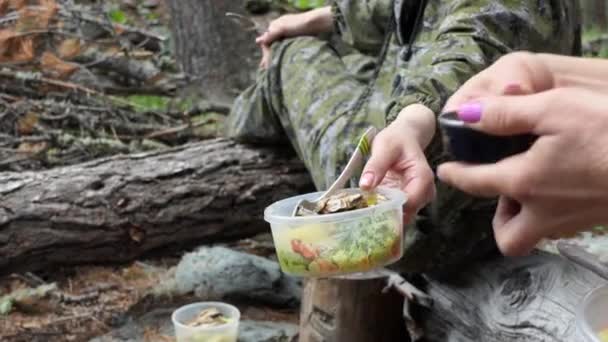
[
  {"x": 80, "y": 303},
  {"x": 135, "y": 100}
]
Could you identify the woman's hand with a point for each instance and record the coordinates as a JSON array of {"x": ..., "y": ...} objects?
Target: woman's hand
[
  {"x": 292, "y": 25},
  {"x": 398, "y": 159},
  {"x": 517, "y": 73},
  {"x": 560, "y": 185}
]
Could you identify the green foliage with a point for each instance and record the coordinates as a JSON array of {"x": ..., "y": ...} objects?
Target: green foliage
[
  {"x": 6, "y": 305},
  {"x": 603, "y": 52},
  {"x": 591, "y": 34},
  {"x": 118, "y": 16},
  {"x": 7, "y": 302},
  {"x": 160, "y": 103},
  {"x": 148, "y": 102},
  {"x": 152, "y": 16},
  {"x": 307, "y": 4},
  {"x": 599, "y": 48}
]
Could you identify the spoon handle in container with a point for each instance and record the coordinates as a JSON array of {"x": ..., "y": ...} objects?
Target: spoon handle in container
[{"x": 356, "y": 161}]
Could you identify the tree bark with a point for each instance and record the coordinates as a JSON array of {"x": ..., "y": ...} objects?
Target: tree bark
[
  {"x": 335, "y": 310},
  {"x": 212, "y": 47},
  {"x": 117, "y": 209},
  {"x": 600, "y": 14},
  {"x": 520, "y": 299}
]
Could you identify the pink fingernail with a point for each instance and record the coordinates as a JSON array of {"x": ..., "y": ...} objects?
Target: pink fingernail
[
  {"x": 367, "y": 180},
  {"x": 470, "y": 112}
]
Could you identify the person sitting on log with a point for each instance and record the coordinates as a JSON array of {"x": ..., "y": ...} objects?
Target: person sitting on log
[{"x": 396, "y": 63}]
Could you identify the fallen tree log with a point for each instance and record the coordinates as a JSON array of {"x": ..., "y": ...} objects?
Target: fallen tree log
[
  {"x": 533, "y": 298},
  {"x": 120, "y": 208}
]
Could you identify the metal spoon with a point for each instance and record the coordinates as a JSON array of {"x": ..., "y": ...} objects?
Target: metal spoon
[{"x": 364, "y": 148}]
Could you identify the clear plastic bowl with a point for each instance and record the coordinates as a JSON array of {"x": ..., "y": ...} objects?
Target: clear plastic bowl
[
  {"x": 592, "y": 316},
  {"x": 337, "y": 244},
  {"x": 224, "y": 333}
]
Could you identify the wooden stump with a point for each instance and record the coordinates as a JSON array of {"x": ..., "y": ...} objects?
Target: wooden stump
[{"x": 353, "y": 310}]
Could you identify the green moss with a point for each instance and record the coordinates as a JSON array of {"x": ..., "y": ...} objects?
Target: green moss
[
  {"x": 152, "y": 16},
  {"x": 149, "y": 102},
  {"x": 118, "y": 16},
  {"x": 158, "y": 103}
]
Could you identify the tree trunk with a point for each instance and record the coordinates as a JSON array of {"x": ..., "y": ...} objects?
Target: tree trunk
[
  {"x": 336, "y": 310},
  {"x": 509, "y": 299},
  {"x": 212, "y": 47},
  {"x": 600, "y": 15},
  {"x": 116, "y": 209}
]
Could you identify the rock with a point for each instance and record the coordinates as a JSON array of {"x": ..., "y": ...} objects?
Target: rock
[
  {"x": 135, "y": 330},
  {"x": 253, "y": 331},
  {"x": 156, "y": 325},
  {"x": 132, "y": 4},
  {"x": 218, "y": 273},
  {"x": 258, "y": 6},
  {"x": 151, "y": 3}
]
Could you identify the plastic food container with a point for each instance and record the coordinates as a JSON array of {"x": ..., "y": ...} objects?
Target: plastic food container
[
  {"x": 592, "y": 316},
  {"x": 341, "y": 243},
  {"x": 223, "y": 333}
]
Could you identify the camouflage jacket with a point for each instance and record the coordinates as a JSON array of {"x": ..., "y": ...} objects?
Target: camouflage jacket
[{"x": 443, "y": 43}]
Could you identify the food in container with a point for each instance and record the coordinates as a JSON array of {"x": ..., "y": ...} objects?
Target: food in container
[
  {"x": 206, "y": 322},
  {"x": 354, "y": 232}
]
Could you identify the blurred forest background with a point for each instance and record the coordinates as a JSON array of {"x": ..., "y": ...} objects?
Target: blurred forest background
[{"x": 595, "y": 21}]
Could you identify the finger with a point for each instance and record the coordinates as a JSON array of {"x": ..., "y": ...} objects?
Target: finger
[
  {"x": 505, "y": 115},
  {"x": 266, "y": 56},
  {"x": 260, "y": 39},
  {"x": 476, "y": 87},
  {"x": 519, "y": 235},
  {"x": 385, "y": 153},
  {"x": 420, "y": 191},
  {"x": 274, "y": 32},
  {"x": 514, "y": 89},
  {"x": 505, "y": 211},
  {"x": 487, "y": 180}
]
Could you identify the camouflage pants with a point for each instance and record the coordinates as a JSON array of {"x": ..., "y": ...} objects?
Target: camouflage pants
[
  {"x": 307, "y": 95},
  {"x": 306, "y": 98}
]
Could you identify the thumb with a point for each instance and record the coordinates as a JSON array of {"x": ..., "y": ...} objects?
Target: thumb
[
  {"x": 383, "y": 156},
  {"x": 275, "y": 32},
  {"x": 504, "y": 115}
]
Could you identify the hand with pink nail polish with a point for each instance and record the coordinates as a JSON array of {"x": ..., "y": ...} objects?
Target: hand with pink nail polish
[
  {"x": 556, "y": 188},
  {"x": 517, "y": 73},
  {"x": 398, "y": 159},
  {"x": 522, "y": 73}
]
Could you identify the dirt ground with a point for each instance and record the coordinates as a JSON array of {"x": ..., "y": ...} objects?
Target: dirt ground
[{"x": 90, "y": 301}]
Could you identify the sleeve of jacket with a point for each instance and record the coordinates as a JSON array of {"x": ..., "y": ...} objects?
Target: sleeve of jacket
[
  {"x": 362, "y": 23},
  {"x": 460, "y": 38}
]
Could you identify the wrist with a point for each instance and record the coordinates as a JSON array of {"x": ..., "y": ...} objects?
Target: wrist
[{"x": 418, "y": 120}]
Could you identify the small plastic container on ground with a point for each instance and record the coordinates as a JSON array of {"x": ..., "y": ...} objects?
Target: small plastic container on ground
[
  {"x": 338, "y": 244},
  {"x": 224, "y": 333},
  {"x": 592, "y": 316}
]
